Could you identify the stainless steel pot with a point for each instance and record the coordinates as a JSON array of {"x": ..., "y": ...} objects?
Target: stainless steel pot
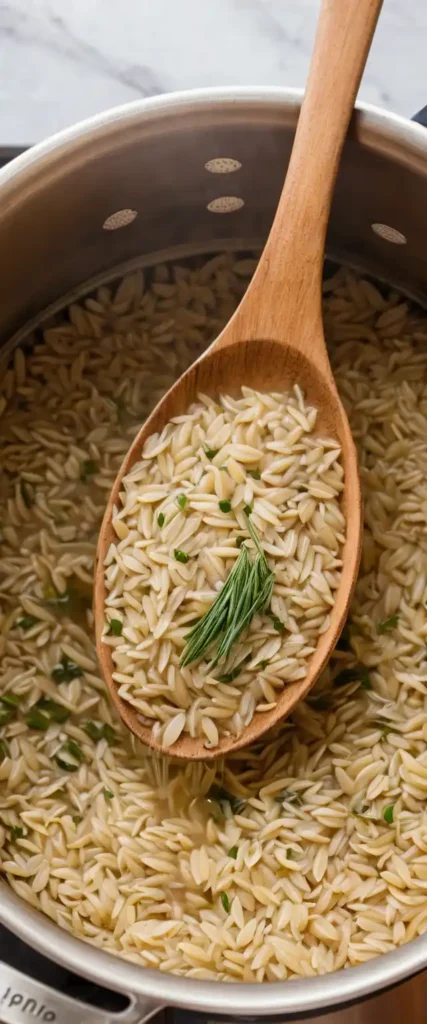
[{"x": 149, "y": 164}]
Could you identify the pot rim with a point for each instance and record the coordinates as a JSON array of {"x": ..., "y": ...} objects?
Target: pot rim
[
  {"x": 390, "y": 133},
  {"x": 371, "y": 120}
]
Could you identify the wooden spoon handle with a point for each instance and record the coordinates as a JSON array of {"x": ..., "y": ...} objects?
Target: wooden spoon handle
[{"x": 286, "y": 288}]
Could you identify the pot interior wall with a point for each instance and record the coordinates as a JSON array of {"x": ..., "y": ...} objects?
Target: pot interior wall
[{"x": 52, "y": 230}]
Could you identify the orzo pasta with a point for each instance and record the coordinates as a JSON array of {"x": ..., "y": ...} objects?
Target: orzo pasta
[{"x": 305, "y": 853}]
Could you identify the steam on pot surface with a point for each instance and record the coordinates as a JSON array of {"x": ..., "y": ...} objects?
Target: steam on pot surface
[{"x": 306, "y": 852}]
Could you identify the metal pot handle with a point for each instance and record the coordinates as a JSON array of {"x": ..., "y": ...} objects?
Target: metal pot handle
[
  {"x": 421, "y": 117},
  {"x": 24, "y": 1000}
]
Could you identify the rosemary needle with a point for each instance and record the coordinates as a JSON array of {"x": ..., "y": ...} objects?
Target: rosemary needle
[{"x": 247, "y": 590}]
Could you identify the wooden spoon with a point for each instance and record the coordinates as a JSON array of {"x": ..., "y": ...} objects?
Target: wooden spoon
[{"x": 276, "y": 339}]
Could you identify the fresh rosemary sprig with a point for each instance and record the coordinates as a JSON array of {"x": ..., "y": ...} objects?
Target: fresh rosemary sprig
[{"x": 247, "y": 590}]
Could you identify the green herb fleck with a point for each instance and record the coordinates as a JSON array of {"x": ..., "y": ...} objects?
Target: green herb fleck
[
  {"x": 220, "y": 795},
  {"x": 66, "y": 671},
  {"x": 288, "y": 796},
  {"x": 74, "y": 749},
  {"x": 115, "y": 627},
  {"x": 89, "y": 467},
  {"x": 388, "y": 814},
  {"x": 263, "y": 664},
  {"x": 211, "y": 452},
  {"x": 320, "y": 703},
  {"x": 93, "y": 730},
  {"x": 233, "y": 852},
  {"x": 387, "y": 625},
  {"x": 69, "y": 749},
  {"x": 11, "y": 700},
  {"x": 247, "y": 510},
  {"x": 66, "y": 766},
  {"x": 181, "y": 556},
  {"x": 229, "y": 676},
  {"x": 254, "y": 473},
  {"x": 17, "y": 831},
  {"x": 182, "y": 500},
  {"x": 359, "y": 674},
  {"x": 278, "y": 625},
  {"x": 108, "y": 794},
  {"x": 4, "y": 751},
  {"x": 37, "y": 720},
  {"x": 225, "y": 902},
  {"x": 27, "y": 494},
  {"x": 161, "y": 519},
  {"x": 27, "y": 622},
  {"x": 109, "y": 734},
  {"x": 55, "y": 711},
  {"x": 7, "y": 709},
  {"x": 225, "y": 505}
]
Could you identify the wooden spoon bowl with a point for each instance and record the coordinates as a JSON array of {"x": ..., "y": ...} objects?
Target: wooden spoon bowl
[{"x": 275, "y": 340}]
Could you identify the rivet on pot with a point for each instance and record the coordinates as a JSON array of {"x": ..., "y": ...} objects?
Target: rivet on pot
[
  {"x": 389, "y": 234},
  {"x": 119, "y": 219},
  {"x": 225, "y": 204},
  {"x": 223, "y": 165}
]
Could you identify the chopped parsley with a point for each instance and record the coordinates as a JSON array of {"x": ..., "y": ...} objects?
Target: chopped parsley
[
  {"x": 7, "y": 708},
  {"x": 358, "y": 674},
  {"x": 66, "y": 671},
  {"x": 387, "y": 625},
  {"x": 225, "y": 505},
  {"x": 388, "y": 814},
  {"x": 218, "y": 794},
  {"x": 27, "y": 622},
  {"x": 278, "y": 625},
  {"x": 4, "y": 751},
  {"x": 16, "y": 831},
  {"x": 101, "y": 731},
  {"x": 69, "y": 757},
  {"x": 288, "y": 796},
  {"x": 115, "y": 627},
  {"x": 27, "y": 494},
  {"x": 89, "y": 468},
  {"x": 225, "y": 902},
  {"x": 320, "y": 703},
  {"x": 181, "y": 556}
]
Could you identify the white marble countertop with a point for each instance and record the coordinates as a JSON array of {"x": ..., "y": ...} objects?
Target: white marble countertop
[{"x": 62, "y": 60}]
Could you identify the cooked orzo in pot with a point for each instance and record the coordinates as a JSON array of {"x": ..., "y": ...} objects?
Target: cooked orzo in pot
[{"x": 304, "y": 853}]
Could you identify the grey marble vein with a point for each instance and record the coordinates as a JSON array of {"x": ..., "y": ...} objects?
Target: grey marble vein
[{"x": 63, "y": 60}]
